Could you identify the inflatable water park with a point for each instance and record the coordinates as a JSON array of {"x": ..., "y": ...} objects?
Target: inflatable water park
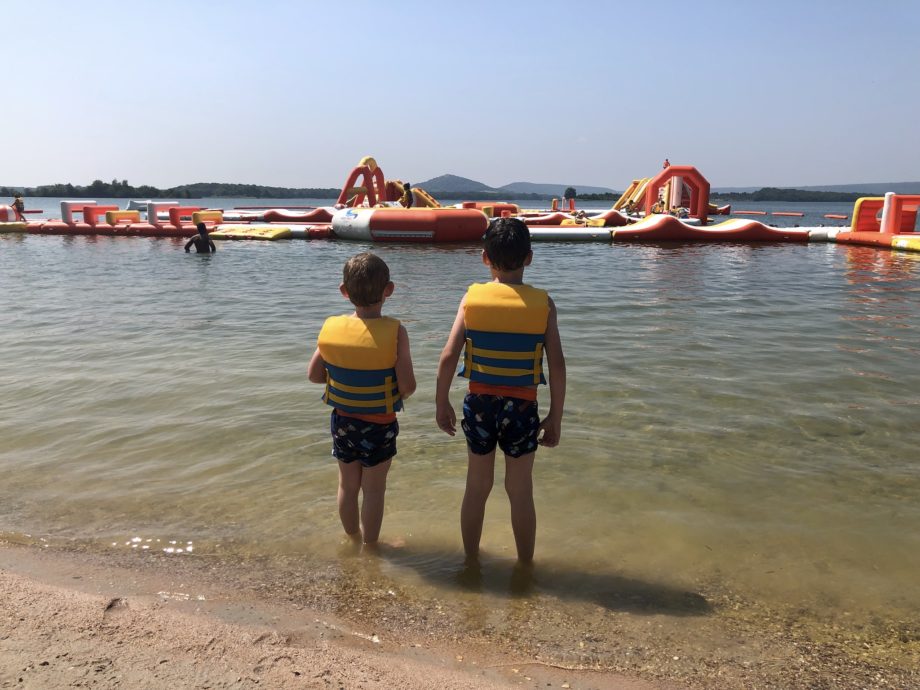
[{"x": 672, "y": 206}]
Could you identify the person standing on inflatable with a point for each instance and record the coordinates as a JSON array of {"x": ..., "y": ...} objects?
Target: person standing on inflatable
[
  {"x": 407, "y": 198},
  {"x": 203, "y": 243},
  {"x": 666, "y": 164},
  {"x": 19, "y": 207},
  {"x": 364, "y": 360},
  {"x": 506, "y": 327}
]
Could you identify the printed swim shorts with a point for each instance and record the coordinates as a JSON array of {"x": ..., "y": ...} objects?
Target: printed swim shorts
[
  {"x": 512, "y": 423},
  {"x": 367, "y": 442}
]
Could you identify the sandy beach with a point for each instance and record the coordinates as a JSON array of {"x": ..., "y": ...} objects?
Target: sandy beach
[
  {"x": 76, "y": 619},
  {"x": 69, "y": 621}
]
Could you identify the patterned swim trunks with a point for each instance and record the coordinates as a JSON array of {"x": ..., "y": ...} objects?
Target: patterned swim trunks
[
  {"x": 512, "y": 423},
  {"x": 367, "y": 442}
]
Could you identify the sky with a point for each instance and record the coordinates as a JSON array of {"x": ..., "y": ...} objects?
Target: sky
[{"x": 766, "y": 93}]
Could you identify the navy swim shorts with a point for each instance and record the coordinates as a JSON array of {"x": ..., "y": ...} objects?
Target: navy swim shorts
[
  {"x": 367, "y": 442},
  {"x": 512, "y": 423}
]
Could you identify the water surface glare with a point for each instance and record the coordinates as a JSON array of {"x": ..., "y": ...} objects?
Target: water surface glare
[{"x": 738, "y": 415}]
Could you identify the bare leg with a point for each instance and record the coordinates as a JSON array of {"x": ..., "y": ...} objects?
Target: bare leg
[
  {"x": 373, "y": 487},
  {"x": 480, "y": 475},
  {"x": 519, "y": 485},
  {"x": 349, "y": 485}
]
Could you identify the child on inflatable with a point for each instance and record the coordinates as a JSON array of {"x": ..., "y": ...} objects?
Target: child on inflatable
[
  {"x": 506, "y": 326},
  {"x": 19, "y": 207},
  {"x": 364, "y": 360}
]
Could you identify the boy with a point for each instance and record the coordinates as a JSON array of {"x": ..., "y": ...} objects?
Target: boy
[
  {"x": 364, "y": 360},
  {"x": 506, "y": 326}
]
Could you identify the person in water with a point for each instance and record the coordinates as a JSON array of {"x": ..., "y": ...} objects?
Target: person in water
[
  {"x": 19, "y": 207},
  {"x": 506, "y": 327},
  {"x": 364, "y": 360},
  {"x": 203, "y": 244}
]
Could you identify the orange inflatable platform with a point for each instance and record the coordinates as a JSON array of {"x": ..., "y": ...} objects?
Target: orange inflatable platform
[
  {"x": 316, "y": 215},
  {"x": 394, "y": 224},
  {"x": 888, "y": 221},
  {"x": 662, "y": 228}
]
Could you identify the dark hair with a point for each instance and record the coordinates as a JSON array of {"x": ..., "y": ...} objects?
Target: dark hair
[
  {"x": 365, "y": 276},
  {"x": 507, "y": 243},
  {"x": 202, "y": 229}
]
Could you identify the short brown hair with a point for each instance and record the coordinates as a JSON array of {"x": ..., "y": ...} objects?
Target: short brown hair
[{"x": 365, "y": 277}]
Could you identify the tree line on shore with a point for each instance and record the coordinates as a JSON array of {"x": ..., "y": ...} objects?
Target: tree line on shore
[{"x": 121, "y": 189}]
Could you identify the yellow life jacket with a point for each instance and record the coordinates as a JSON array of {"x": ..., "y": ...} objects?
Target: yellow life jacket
[
  {"x": 505, "y": 329},
  {"x": 360, "y": 356}
]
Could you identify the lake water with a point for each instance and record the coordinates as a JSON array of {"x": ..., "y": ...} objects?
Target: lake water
[{"x": 740, "y": 419}]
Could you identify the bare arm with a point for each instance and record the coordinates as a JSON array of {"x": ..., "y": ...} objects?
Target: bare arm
[
  {"x": 447, "y": 365},
  {"x": 316, "y": 369},
  {"x": 405, "y": 375},
  {"x": 552, "y": 424},
  {"x": 189, "y": 244}
]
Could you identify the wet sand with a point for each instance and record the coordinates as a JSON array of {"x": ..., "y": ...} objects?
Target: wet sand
[
  {"x": 74, "y": 617},
  {"x": 71, "y": 621}
]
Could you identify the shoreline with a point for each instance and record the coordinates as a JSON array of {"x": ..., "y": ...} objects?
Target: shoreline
[
  {"x": 73, "y": 620},
  {"x": 155, "y": 621}
]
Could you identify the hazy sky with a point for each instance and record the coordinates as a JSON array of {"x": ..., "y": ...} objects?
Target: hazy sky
[{"x": 771, "y": 92}]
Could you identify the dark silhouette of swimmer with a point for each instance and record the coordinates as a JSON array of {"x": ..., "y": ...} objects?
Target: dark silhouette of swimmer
[
  {"x": 203, "y": 243},
  {"x": 407, "y": 195},
  {"x": 666, "y": 164}
]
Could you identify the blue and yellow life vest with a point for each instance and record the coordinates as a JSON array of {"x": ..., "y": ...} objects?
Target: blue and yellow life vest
[
  {"x": 360, "y": 356},
  {"x": 505, "y": 329}
]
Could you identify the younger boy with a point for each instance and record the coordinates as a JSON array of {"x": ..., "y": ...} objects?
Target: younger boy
[
  {"x": 364, "y": 360},
  {"x": 505, "y": 326}
]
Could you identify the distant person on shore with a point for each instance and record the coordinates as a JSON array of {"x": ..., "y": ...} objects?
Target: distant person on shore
[
  {"x": 666, "y": 164},
  {"x": 364, "y": 360},
  {"x": 203, "y": 244},
  {"x": 506, "y": 326},
  {"x": 19, "y": 207}
]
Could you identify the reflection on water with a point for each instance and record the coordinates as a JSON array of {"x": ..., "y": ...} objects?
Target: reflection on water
[{"x": 739, "y": 417}]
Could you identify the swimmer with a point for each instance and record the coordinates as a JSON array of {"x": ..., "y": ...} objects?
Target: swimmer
[{"x": 203, "y": 243}]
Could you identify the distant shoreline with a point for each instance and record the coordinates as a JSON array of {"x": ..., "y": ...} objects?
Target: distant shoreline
[{"x": 217, "y": 190}]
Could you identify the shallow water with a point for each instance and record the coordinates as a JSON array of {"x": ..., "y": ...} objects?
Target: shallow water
[{"x": 739, "y": 417}]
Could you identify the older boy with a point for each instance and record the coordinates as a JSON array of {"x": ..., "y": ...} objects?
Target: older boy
[
  {"x": 364, "y": 360},
  {"x": 506, "y": 326}
]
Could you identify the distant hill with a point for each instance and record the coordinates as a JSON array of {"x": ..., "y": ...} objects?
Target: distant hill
[
  {"x": 557, "y": 189},
  {"x": 452, "y": 183}
]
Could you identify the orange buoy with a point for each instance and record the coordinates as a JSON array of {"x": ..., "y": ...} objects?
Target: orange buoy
[
  {"x": 750, "y": 213},
  {"x": 794, "y": 214},
  {"x": 836, "y": 216}
]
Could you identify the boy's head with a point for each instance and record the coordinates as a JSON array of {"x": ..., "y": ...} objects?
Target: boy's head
[
  {"x": 507, "y": 244},
  {"x": 366, "y": 280},
  {"x": 202, "y": 229}
]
